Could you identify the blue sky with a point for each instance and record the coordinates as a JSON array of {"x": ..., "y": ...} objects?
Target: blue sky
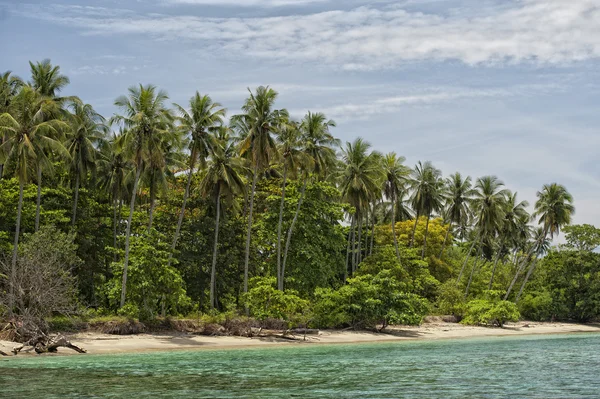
[{"x": 509, "y": 88}]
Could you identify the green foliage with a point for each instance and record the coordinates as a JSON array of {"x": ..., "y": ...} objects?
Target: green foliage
[
  {"x": 583, "y": 237},
  {"x": 489, "y": 312},
  {"x": 366, "y": 301},
  {"x": 451, "y": 299},
  {"x": 265, "y": 301},
  {"x": 536, "y": 306},
  {"x": 152, "y": 283}
]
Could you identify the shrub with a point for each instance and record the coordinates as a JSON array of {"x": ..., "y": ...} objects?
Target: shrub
[
  {"x": 536, "y": 306},
  {"x": 265, "y": 301},
  {"x": 451, "y": 299},
  {"x": 487, "y": 312}
]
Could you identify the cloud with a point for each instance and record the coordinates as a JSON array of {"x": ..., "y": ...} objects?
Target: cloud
[
  {"x": 541, "y": 32},
  {"x": 248, "y": 3}
]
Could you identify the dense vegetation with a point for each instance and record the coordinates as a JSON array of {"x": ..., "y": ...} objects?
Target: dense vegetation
[{"x": 178, "y": 209}]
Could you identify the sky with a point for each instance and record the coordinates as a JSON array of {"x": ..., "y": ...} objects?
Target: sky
[{"x": 485, "y": 87}]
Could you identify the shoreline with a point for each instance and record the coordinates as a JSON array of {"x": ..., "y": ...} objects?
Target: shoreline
[{"x": 98, "y": 343}]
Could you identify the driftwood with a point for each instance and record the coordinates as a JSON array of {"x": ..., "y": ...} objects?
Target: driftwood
[
  {"x": 4, "y": 354},
  {"x": 304, "y": 331},
  {"x": 44, "y": 344}
]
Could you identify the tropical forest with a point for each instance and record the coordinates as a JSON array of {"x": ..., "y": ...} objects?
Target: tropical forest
[{"x": 163, "y": 212}]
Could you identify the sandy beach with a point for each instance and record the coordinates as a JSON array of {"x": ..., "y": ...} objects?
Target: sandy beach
[{"x": 97, "y": 343}]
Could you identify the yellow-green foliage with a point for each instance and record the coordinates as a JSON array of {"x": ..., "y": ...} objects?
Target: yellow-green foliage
[{"x": 490, "y": 312}]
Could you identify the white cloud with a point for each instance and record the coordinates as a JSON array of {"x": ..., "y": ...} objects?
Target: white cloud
[
  {"x": 247, "y": 3},
  {"x": 547, "y": 32}
]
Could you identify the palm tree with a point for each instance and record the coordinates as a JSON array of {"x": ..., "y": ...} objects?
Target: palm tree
[
  {"x": 48, "y": 82},
  {"x": 29, "y": 133},
  {"x": 360, "y": 178},
  {"x": 114, "y": 169},
  {"x": 317, "y": 158},
  {"x": 291, "y": 158},
  {"x": 489, "y": 209},
  {"x": 222, "y": 179},
  {"x": 87, "y": 130},
  {"x": 144, "y": 118},
  {"x": 396, "y": 175},
  {"x": 459, "y": 192},
  {"x": 9, "y": 87},
  {"x": 258, "y": 123},
  {"x": 554, "y": 208},
  {"x": 203, "y": 117},
  {"x": 427, "y": 197},
  {"x": 515, "y": 212}
]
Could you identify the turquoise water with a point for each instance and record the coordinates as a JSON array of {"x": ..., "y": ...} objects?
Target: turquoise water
[{"x": 559, "y": 366}]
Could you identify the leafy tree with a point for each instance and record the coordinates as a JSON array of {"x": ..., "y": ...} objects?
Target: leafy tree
[
  {"x": 9, "y": 87},
  {"x": 152, "y": 282},
  {"x": 582, "y": 237},
  {"x": 265, "y": 301}
]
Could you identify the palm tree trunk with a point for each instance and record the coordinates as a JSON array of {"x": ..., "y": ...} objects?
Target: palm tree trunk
[
  {"x": 249, "y": 230},
  {"x": 372, "y": 229},
  {"x": 115, "y": 229},
  {"x": 128, "y": 234},
  {"x": 279, "y": 225},
  {"x": 519, "y": 267},
  {"x": 473, "y": 272},
  {"x": 213, "y": 270},
  {"x": 289, "y": 233},
  {"x": 359, "y": 254},
  {"x": 13, "y": 266},
  {"x": 152, "y": 203},
  {"x": 353, "y": 250},
  {"x": 348, "y": 259},
  {"x": 412, "y": 238},
  {"x": 495, "y": 264},
  {"x": 529, "y": 273},
  {"x": 39, "y": 198},
  {"x": 465, "y": 263},
  {"x": 445, "y": 240},
  {"x": 394, "y": 227},
  {"x": 425, "y": 237},
  {"x": 75, "y": 199},
  {"x": 186, "y": 193}
]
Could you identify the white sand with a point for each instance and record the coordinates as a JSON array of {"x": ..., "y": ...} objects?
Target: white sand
[{"x": 103, "y": 343}]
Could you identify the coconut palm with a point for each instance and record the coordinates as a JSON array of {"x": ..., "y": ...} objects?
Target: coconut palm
[
  {"x": 396, "y": 175},
  {"x": 258, "y": 124},
  {"x": 427, "y": 196},
  {"x": 144, "y": 119},
  {"x": 291, "y": 158},
  {"x": 489, "y": 210},
  {"x": 515, "y": 211},
  {"x": 554, "y": 208},
  {"x": 202, "y": 119},
  {"x": 48, "y": 82},
  {"x": 459, "y": 192},
  {"x": 360, "y": 178},
  {"x": 222, "y": 180},
  {"x": 114, "y": 169},
  {"x": 316, "y": 158},
  {"x": 29, "y": 135},
  {"x": 9, "y": 87},
  {"x": 87, "y": 130}
]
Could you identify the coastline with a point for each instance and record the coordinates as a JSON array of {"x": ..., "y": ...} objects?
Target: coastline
[{"x": 98, "y": 343}]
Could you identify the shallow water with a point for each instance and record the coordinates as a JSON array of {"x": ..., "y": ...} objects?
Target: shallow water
[{"x": 557, "y": 366}]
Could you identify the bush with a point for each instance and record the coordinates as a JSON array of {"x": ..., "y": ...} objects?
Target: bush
[
  {"x": 366, "y": 301},
  {"x": 451, "y": 300},
  {"x": 536, "y": 306},
  {"x": 487, "y": 312},
  {"x": 265, "y": 301}
]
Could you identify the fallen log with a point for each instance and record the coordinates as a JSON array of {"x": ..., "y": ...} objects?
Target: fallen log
[
  {"x": 44, "y": 344},
  {"x": 305, "y": 331}
]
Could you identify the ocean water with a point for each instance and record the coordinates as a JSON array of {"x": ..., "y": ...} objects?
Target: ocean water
[{"x": 556, "y": 366}]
